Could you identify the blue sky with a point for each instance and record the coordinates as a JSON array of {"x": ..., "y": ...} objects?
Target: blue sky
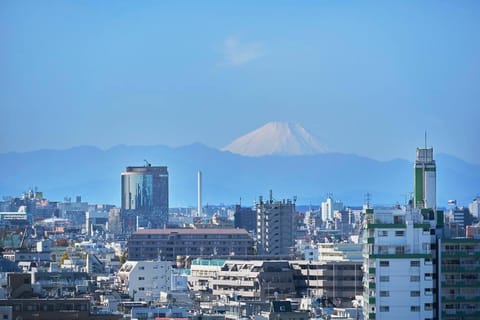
[{"x": 365, "y": 77}]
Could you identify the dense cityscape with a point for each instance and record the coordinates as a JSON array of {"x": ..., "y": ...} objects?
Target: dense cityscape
[
  {"x": 144, "y": 260},
  {"x": 239, "y": 160}
]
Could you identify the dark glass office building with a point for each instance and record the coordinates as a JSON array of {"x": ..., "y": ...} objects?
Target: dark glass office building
[{"x": 144, "y": 195}]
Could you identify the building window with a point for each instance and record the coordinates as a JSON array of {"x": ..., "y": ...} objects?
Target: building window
[
  {"x": 415, "y": 263},
  {"x": 387, "y": 279},
  {"x": 383, "y": 233},
  {"x": 382, "y": 249},
  {"x": 415, "y": 308},
  {"x": 414, "y": 293},
  {"x": 141, "y": 278},
  {"x": 399, "y": 233},
  {"x": 414, "y": 278},
  {"x": 384, "y": 263},
  {"x": 384, "y": 308},
  {"x": 428, "y": 306},
  {"x": 384, "y": 293},
  {"x": 141, "y": 268}
]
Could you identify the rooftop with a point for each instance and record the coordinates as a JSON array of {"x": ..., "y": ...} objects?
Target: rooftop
[{"x": 192, "y": 231}]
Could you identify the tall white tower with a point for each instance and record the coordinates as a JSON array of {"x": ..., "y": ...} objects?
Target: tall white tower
[
  {"x": 425, "y": 190},
  {"x": 199, "y": 193}
]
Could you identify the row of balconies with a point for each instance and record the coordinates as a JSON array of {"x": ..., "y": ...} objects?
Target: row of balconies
[
  {"x": 234, "y": 283},
  {"x": 241, "y": 293},
  {"x": 456, "y": 298},
  {"x": 338, "y": 284},
  {"x": 460, "y": 284}
]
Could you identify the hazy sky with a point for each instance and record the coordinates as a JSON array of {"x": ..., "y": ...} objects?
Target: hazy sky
[{"x": 365, "y": 77}]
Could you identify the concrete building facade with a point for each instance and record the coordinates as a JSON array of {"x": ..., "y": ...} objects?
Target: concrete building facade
[
  {"x": 399, "y": 278},
  {"x": 275, "y": 227},
  {"x": 340, "y": 281},
  {"x": 459, "y": 280},
  {"x": 168, "y": 244},
  {"x": 255, "y": 280},
  {"x": 145, "y": 280}
]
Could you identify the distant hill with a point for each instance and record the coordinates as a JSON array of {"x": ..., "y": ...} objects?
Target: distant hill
[{"x": 95, "y": 175}]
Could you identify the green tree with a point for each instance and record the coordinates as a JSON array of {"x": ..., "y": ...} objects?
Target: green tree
[{"x": 123, "y": 258}]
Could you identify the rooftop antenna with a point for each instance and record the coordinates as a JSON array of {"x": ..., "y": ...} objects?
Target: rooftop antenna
[
  {"x": 367, "y": 199},
  {"x": 425, "y": 139},
  {"x": 147, "y": 164}
]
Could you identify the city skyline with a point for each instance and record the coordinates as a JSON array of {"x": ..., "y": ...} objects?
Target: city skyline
[{"x": 366, "y": 78}]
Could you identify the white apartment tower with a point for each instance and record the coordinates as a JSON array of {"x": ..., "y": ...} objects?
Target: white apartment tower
[
  {"x": 399, "y": 281},
  {"x": 329, "y": 207},
  {"x": 474, "y": 207}
]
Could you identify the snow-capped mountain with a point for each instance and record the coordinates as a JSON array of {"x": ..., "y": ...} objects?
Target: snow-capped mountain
[{"x": 276, "y": 138}]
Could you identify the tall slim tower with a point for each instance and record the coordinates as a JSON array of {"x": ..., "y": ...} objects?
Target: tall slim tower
[
  {"x": 425, "y": 190},
  {"x": 145, "y": 195},
  {"x": 199, "y": 193}
]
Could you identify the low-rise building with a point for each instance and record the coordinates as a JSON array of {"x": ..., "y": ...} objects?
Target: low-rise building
[
  {"x": 202, "y": 272},
  {"x": 149, "y": 244},
  {"x": 144, "y": 280},
  {"x": 254, "y": 280},
  {"x": 339, "y": 281}
]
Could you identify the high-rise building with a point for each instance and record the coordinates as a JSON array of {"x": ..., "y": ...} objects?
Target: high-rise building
[
  {"x": 275, "y": 226},
  {"x": 399, "y": 265},
  {"x": 415, "y": 265},
  {"x": 425, "y": 191},
  {"x": 144, "y": 197},
  {"x": 329, "y": 207},
  {"x": 245, "y": 218},
  {"x": 459, "y": 280},
  {"x": 474, "y": 207}
]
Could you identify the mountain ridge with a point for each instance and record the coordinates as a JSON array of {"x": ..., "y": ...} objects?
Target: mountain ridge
[{"x": 94, "y": 174}]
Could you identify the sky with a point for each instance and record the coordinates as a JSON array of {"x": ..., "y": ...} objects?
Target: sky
[{"x": 365, "y": 77}]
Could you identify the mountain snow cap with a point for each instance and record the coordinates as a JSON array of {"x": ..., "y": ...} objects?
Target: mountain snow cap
[{"x": 276, "y": 138}]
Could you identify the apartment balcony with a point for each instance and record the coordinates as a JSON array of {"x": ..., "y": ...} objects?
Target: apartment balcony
[
  {"x": 460, "y": 284},
  {"x": 458, "y": 299},
  {"x": 460, "y": 269},
  {"x": 242, "y": 293},
  {"x": 455, "y": 314},
  {"x": 378, "y": 225},
  {"x": 460, "y": 254},
  {"x": 234, "y": 283}
]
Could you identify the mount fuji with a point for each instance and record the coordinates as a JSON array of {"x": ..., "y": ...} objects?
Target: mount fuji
[{"x": 276, "y": 138}]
